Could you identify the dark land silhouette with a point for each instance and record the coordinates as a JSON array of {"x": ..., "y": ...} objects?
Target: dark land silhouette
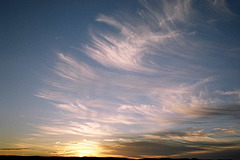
[{"x": 91, "y": 158}]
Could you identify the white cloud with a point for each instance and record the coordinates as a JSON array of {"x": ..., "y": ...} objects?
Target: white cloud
[
  {"x": 166, "y": 85},
  {"x": 235, "y": 93},
  {"x": 228, "y": 92},
  {"x": 80, "y": 129},
  {"x": 72, "y": 69},
  {"x": 128, "y": 49},
  {"x": 221, "y": 6},
  {"x": 149, "y": 110}
]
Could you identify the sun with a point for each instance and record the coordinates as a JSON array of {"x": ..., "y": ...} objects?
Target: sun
[
  {"x": 85, "y": 153},
  {"x": 85, "y": 148}
]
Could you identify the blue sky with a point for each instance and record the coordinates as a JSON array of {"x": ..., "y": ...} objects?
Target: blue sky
[{"x": 120, "y": 78}]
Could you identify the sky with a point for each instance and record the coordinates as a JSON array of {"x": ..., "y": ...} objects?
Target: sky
[{"x": 120, "y": 78}]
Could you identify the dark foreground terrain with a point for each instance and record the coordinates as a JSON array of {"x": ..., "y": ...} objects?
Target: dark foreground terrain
[{"x": 88, "y": 158}]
